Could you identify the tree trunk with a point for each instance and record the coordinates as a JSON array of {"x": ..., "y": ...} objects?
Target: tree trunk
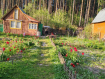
[
  {"x": 34, "y": 4},
  {"x": 60, "y": 4},
  {"x": 56, "y": 5},
  {"x": 26, "y": 3},
  {"x": 30, "y": 1},
  {"x": 12, "y": 3},
  {"x": 70, "y": 11},
  {"x": 45, "y": 4},
  {"x": 86, "y": 14},
  {"x": 93, "y": 8},
  {"x": 73, "y": 11},
  {"x": 63, "y": 5},
  {"x": 39, "y": 4},
  {"x": 22, "y": 4},
  {"x": 66, "y": 6},
  {"x": 2, "y": 7},
  {"x": 88, "y": 11},
  {"x": 0, "y": 4},
  {"x": 98, "y": 5},
  {"x": 81, "y": 13},
  {"x": 50, "y": 6},
  {"x": 17, "y": 2}
]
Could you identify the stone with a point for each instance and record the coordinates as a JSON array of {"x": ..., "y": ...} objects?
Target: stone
[{"x": 42, "y": 55}]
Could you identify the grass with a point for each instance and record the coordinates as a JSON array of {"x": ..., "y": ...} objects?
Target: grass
[
  {"x": 28, "y": 67},
  {"x": 93, "y": 67}
]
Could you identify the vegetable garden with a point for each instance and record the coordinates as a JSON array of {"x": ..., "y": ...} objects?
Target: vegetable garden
[
  {"x": 39, "y": 59},
  {"x": 83, "y": 56}
]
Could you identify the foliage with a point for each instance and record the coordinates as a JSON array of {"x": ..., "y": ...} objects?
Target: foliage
[
  {"x": 87, "y": 32},
  {"x": 62, "y": 51}
]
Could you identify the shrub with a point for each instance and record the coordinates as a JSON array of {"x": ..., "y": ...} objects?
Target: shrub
[{"x": 62, "y": 51}]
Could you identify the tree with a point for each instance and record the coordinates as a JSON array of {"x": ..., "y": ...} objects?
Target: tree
[
  {"x": 93, "y": 8},
  {"x": 88, "y": 11},
  {"x": 73, "y": 10},
  {"x": 81, "y": 13},
  {"x": 39, "y": 4},
  {"x": 63, "y": 4},
  {"x": 12, "y": 3},
  {"x": 50, "y": 6}
]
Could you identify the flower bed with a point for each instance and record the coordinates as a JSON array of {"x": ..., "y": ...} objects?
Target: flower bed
[
  {"x": 74, "y": 62},
  {"x": 80, "y": 43},
  {"x": 16, "y": 45}
]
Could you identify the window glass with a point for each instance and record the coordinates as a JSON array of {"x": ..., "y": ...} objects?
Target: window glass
[
  {"x": 12, "y": 24},
  {"x": 16, "y": 14},
  {"x": 33, "y": 26},
  {"x": 18, "y": 25},
  {"x": 30, "y": 26}
]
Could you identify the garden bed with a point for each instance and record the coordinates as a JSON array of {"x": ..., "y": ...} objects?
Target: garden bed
[{"x": 92, "y": 62}]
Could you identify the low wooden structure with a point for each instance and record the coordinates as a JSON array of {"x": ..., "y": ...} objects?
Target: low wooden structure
[
  {"x": 16, "y": 21},
  {"x": 52, "y": 36}
]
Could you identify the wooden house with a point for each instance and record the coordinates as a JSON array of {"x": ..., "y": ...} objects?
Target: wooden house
[
  {"x": 16, "y": 21},
  {"x": 98, "y": 24}
]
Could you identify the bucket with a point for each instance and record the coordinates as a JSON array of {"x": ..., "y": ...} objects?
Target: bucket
[{"x": 38, "y": 33}]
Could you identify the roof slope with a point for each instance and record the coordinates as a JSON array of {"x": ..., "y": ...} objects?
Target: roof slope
[
  {"x": 31, "y": 19},
  {"x": 27, "y": 16},
  {"x": 100, "y": 17}
]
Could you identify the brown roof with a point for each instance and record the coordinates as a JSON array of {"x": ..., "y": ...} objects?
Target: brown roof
[
  {"x": 27, "y": 16},
  {"x": 31, "y": 19}
]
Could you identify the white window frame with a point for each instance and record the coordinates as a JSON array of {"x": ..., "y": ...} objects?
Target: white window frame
[{"x": 33, "y": 27}]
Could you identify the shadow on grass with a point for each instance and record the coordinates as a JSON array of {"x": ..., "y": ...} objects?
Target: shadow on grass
[
  {"x": 28, "y": 68},
  {"x": 90, "y": 72}
]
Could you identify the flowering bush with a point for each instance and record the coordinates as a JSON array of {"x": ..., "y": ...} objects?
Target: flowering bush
[{"x": 72, "y": 55}]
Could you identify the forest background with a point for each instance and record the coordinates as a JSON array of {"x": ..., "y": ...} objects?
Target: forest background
[{"x": 57, "y": 13}]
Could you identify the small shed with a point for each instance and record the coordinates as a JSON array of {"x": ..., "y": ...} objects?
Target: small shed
[
  {"x": 98, "y": 24},
  {"x": 16, "y": 21}
]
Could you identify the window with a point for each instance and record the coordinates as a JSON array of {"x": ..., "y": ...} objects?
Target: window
[
  {"x": 12, "y": 24},
  {"x": 16, "y": 14},
  {"x": 32, "y": 26},
  {"x": 18, "y": 25},
  {"x": 15, "y": 24}
]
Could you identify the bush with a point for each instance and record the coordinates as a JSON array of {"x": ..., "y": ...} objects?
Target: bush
[
  {"x": 87, "y": 32},
  {"x": 62, "y": 51}
]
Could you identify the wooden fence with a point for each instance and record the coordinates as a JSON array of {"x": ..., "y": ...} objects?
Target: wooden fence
[{"x": 62, "y": 60}]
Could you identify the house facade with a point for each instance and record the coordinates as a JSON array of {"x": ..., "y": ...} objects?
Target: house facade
[
  {"x": 16, "y": 21},
  {"x": 98, "y": 24}
]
